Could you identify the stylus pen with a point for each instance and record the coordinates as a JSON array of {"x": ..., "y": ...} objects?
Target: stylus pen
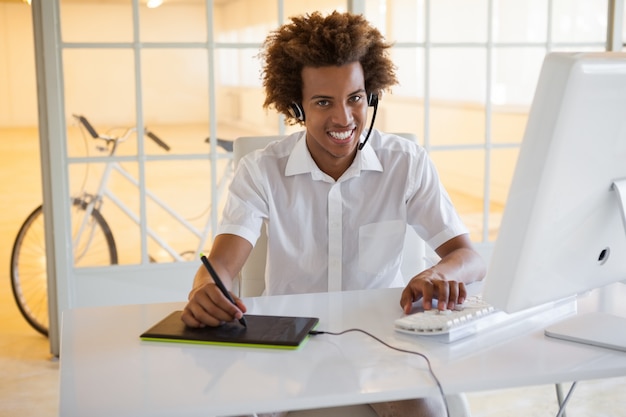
[{"x": 220, "y": 285}]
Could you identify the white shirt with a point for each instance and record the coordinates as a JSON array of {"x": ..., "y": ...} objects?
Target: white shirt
[{"x": 327, "y": 235}]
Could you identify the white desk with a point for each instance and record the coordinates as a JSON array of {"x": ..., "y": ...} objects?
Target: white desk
[{"x": 106, "y": 370}]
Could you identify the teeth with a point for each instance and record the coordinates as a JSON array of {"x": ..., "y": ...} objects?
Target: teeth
[{"x": 341, "y": 135}]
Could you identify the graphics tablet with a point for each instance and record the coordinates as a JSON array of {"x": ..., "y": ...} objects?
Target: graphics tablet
[{"x": 279, "y": 332}]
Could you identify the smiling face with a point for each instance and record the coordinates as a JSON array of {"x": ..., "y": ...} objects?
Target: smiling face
[{"x": 335, "y": 104}]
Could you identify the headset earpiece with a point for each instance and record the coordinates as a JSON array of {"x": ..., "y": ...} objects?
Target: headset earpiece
[
  {"x": 296, "y": 111},
  {"x": 372, "y": 99}
]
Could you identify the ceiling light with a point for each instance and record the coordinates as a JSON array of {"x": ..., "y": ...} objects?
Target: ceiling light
[{"x": 154, "y": 3}]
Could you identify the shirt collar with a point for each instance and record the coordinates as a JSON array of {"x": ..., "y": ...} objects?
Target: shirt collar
[{"x": 301, "y": 162}]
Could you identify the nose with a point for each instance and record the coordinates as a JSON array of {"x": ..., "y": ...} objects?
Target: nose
[{"x": 342, "y": 114}]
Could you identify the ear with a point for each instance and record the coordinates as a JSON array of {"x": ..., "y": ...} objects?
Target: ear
[{"x": 296, "y": 111}]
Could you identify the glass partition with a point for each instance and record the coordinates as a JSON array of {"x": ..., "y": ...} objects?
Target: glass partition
[{"x": 176, "y": 84}]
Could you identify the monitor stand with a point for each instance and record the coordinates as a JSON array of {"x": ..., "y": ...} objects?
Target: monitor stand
[{"x": 597, "y": 329}]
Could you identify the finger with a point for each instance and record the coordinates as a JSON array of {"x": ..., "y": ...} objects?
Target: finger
[
  {"x": 221, "y": 307},
  {"x": 453, "y": 295},
  {"x": 209, "y": 306},
  {"x": 443, "y": 295},
  {"x": 195, "y": 315},
  {"x": 462, "y": 293},
  {"x": 407, "y": 299},
  {"x": 428, "y": 292},
  {"x": 239, "y": 303},
  {"x": 189, "y": 320}
]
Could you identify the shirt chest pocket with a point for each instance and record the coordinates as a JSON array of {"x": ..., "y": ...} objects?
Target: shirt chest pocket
[{"x": 380, "y": 245}]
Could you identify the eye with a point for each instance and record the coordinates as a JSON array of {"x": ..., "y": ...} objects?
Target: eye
[
  {"x": 356, "y": 98},
  {"x": 322, "y": 103}
]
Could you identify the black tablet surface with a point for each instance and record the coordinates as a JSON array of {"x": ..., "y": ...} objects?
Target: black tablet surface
[{"x": 281, "y": 332}]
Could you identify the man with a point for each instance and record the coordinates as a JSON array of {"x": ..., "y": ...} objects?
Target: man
[{"x": 335, "y": 207}]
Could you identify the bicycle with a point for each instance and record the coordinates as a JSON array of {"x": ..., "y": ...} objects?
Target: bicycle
[{"x": 92, "y": 237}]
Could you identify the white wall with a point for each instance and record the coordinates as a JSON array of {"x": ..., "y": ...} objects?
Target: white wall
[
  {"x": 101, "y": 85},
  {"x": 18, "y": 87},
  {"x": 101, "y": 82}
]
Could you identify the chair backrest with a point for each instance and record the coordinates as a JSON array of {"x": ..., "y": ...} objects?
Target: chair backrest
[{"x": 252, "y": 276}]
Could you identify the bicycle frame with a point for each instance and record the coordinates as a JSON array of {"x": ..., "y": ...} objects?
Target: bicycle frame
[{"x": 103, "y": 191}]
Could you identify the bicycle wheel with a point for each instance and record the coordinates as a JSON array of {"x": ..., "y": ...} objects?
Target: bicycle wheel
[{"x": 29, "y": 279}]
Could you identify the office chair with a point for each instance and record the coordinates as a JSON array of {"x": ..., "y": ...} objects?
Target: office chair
[{"x": 251, "y": 283}]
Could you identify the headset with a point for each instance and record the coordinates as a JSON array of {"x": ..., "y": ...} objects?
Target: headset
[{"x": 295, "y": 109}]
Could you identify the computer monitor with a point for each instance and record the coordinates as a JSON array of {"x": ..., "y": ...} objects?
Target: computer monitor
[{"x": 563, "y": 231}]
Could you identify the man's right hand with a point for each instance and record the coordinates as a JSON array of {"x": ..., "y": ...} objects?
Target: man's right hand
[{"x": 207, "y": 306}]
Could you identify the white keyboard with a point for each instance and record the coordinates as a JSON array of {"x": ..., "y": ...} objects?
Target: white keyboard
[
  {"x": 473, "y": 316},
  {"x": 437, "y": 322}
]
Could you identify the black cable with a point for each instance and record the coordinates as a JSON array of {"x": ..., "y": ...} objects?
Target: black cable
[{"x": 430, "y": 368}]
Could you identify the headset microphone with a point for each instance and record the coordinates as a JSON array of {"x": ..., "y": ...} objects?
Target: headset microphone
[{"x": 372, "y": 101}]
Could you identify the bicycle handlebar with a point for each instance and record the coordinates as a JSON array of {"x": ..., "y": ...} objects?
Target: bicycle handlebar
[
  {"x": 88, "y": 126},
  {"x": 94, "y": 134},
  {"x": 157, "y": 140}
]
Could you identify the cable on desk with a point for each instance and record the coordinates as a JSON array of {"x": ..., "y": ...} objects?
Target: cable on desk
[{"x": 430, "y": 368}]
